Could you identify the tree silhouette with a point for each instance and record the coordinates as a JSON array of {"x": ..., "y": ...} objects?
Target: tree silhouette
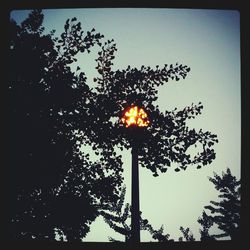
[
  {"x": 168, "y": 137},
  {"x": 53, "y": 112},
  {"x": 206, "y": 224},
  {"x": 187, "y": 234},
  {"x": 156, "y": 234},
  {"x": 117, "y": 216},
  {"x": 226, "y": 212},
  {"x": 53, "y": 184}
]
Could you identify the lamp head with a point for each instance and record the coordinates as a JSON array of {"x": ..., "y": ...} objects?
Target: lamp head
[{"x": 135, "y": 116}]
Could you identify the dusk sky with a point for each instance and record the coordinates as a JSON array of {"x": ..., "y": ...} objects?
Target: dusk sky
[{"x": 208, "y": 41}]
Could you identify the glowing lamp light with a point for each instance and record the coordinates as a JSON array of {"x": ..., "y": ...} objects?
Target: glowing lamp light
[{"x": 135, "y": 116}]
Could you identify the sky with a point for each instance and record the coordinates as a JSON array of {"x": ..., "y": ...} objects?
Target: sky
[{"x": 208, "y": 41}]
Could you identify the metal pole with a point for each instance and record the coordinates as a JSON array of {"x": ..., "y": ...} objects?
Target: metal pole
[{"x": 135, "y": 213}]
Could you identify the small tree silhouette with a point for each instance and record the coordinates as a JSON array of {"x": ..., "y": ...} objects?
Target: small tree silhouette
[
  {"x": 206, "y": 223},
  {"x": 187, "y": 234},
  {"x": 156, "y": 234},
  {"x": 116, "y": 215},
  {"x": 225, "y": 213}
]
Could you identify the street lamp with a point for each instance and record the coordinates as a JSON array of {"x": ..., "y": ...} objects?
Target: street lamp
[{"x": 135, "y": 119}]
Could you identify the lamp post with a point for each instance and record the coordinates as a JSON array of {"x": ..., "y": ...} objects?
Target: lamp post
[{"x": 135, "y": 119}]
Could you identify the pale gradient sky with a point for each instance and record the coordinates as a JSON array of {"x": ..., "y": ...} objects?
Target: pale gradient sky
[{"x": 209, "y": 42}]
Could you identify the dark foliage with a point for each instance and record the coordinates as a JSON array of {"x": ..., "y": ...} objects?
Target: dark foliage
[
  {"x": 53, "y": 112},
  {"x": 206, "y": 223},
  {"x": 168, "y": 137},
  {"x": 117, "y": 216},
  {"x": 187, "y": 234},
  {"x": 226, "y": 212},
  {"x": 52, "y": 183},
  {"x": 156, "y": 234}
]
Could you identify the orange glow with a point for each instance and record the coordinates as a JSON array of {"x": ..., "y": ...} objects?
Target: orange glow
[{"x": 135, "y": 116}]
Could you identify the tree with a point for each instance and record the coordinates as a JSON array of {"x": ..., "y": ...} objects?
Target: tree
[
  {"x": 226, "y": 212},
  {"x": 116, "y": 215},
  {"x": 156, "y": 234},
  {"x": 206, "y": 224},
  {"x": 187, "y": 234},
  {"x": 48, "y": 171},
  {"x": 168, "y": 137},
  {"x": 53, "y": 112}
]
